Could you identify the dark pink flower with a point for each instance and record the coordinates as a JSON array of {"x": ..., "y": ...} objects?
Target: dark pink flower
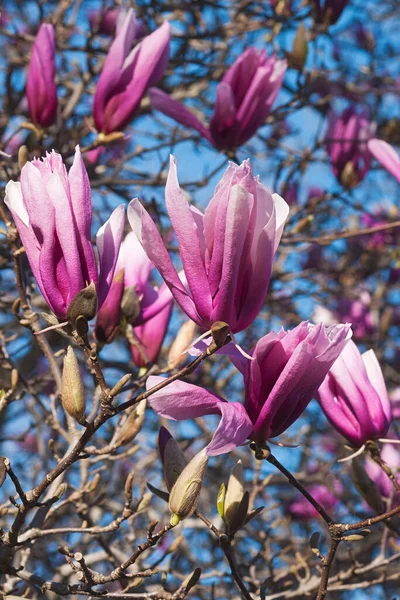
[
  {"x": 41, "y": 89},
  {"x": 284, "y": 375},
  {"x": 52, "y": 210},
  {"x": 346, "y": 139},
  {"x": 353, "y": 396},
  {"x": 128, "y": 73},
  {"x": 226, "y": 253},
  {"x": 244, "y": 100}
]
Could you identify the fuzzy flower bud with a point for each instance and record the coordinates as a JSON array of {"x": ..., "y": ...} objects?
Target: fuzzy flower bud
[
  {"x": 72, "y": 390},
  {"x": 185, "y": 493}
]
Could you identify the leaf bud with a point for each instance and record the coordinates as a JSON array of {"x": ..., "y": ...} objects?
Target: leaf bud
[
  {"x": 72, "y": 390},
  {"x": 185, "y": 493},
  {"x": 234, "y": 492}
]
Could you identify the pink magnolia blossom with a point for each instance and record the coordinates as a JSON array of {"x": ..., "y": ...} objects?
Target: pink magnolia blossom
[
  {"x": 107, "y": 21},
  {"x": 303, "y": 510},
  {"x": 347, "y": 138},
  {"x": 286, "y": 372},
  {"x": 386, "y": 155},
  {"x": 244, "y": 100},
  {"x": 226, "y": 253},
  {"x": 390, "y": 453},
  {"x": 127, "y": 74},
  {"x": 153, "y": 313},
  {"x": 41, "y": 88},
  {"x": 52, "y": 210},
  {"x": 353, "y": 396},
  {"x": 356, "y": 311}
]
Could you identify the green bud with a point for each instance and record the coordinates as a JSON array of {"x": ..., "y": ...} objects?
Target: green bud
[
  {"x": 185, "y": 493},
  {"x": 72, "y": 390},
  {"x": 234, "y": 492}
]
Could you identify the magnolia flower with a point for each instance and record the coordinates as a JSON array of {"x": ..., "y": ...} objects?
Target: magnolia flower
[
  {"x": 41, "y": 89},
  {"x": 386, "y": 155},
  {"x": 303, "y": 510},
  {"x": 127, "y": 74},
  {"x": 390, "y": 453},
  {"x": 132, "y": 297},
  {"x": 347, "y": 138},
  {"x": 226, "y": 253},
  {"x": 286, "y": 372},
  {"x": 52, "y": 210},
  {"x": 244, "y": 100},
  {"x": 353, "y": 396}
]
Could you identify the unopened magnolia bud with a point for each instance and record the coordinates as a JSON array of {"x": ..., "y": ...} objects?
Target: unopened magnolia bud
[
  {"x": 130, "y": 305},
  {"x": 72, "y": 390},
  {"x": 132, "y": 425},
  {"x": 83, "y": 305},
  {"x": 234, "y": 492},
  {"x": 108, "y": 138},
  {"x": 181, "y": 343},
  {"x": 23, "y": 156},
  {"x": 185, "y": 493},
  {"x": 171, "y": 457},
  {"x": 220, "y": 333},
  {"x": 348, "y": 177},
  {"x": 298, "y": 56}
]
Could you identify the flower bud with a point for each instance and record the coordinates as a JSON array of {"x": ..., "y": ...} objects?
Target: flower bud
[
  {"x": 171, "y": 457},
  {"x": 185, "y": 493},
  {"x": 181, "y": 343},
  {"x": 84, "y": 304},
  {"x": 298, "y": 55},
  {"x": 234, "y": 492},
  {"x": 132, "y": 425},
  {"x": 130, "y": 305},
  {"x": 72, "y": 390}
]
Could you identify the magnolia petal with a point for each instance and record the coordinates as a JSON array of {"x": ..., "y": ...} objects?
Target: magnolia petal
[{"x": 108, "y": 242}]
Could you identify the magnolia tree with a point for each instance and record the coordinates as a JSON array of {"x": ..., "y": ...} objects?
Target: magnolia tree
[{"x": 201, "y": 398}]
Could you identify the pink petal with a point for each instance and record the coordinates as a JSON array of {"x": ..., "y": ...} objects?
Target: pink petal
[
  {"x": 113, "y": 64},
  {"x": 148, "y": 235},
  {"x": 386, "y": 155},
  {"x": 180, "y": 401},
  {"x": 177, "y": 111},
  {"x": 189, "y": 240},
  {"x": 81, "y": 200},
  {"x": 108, "y": 242}
]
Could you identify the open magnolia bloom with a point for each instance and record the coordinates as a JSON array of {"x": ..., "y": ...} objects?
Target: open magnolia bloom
[
  {"x": 286, "y": 372},
  {"x": 354, "y": 398},
  {"x": 52, "y": 210},
  {"x": 226, "y": 253}
]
